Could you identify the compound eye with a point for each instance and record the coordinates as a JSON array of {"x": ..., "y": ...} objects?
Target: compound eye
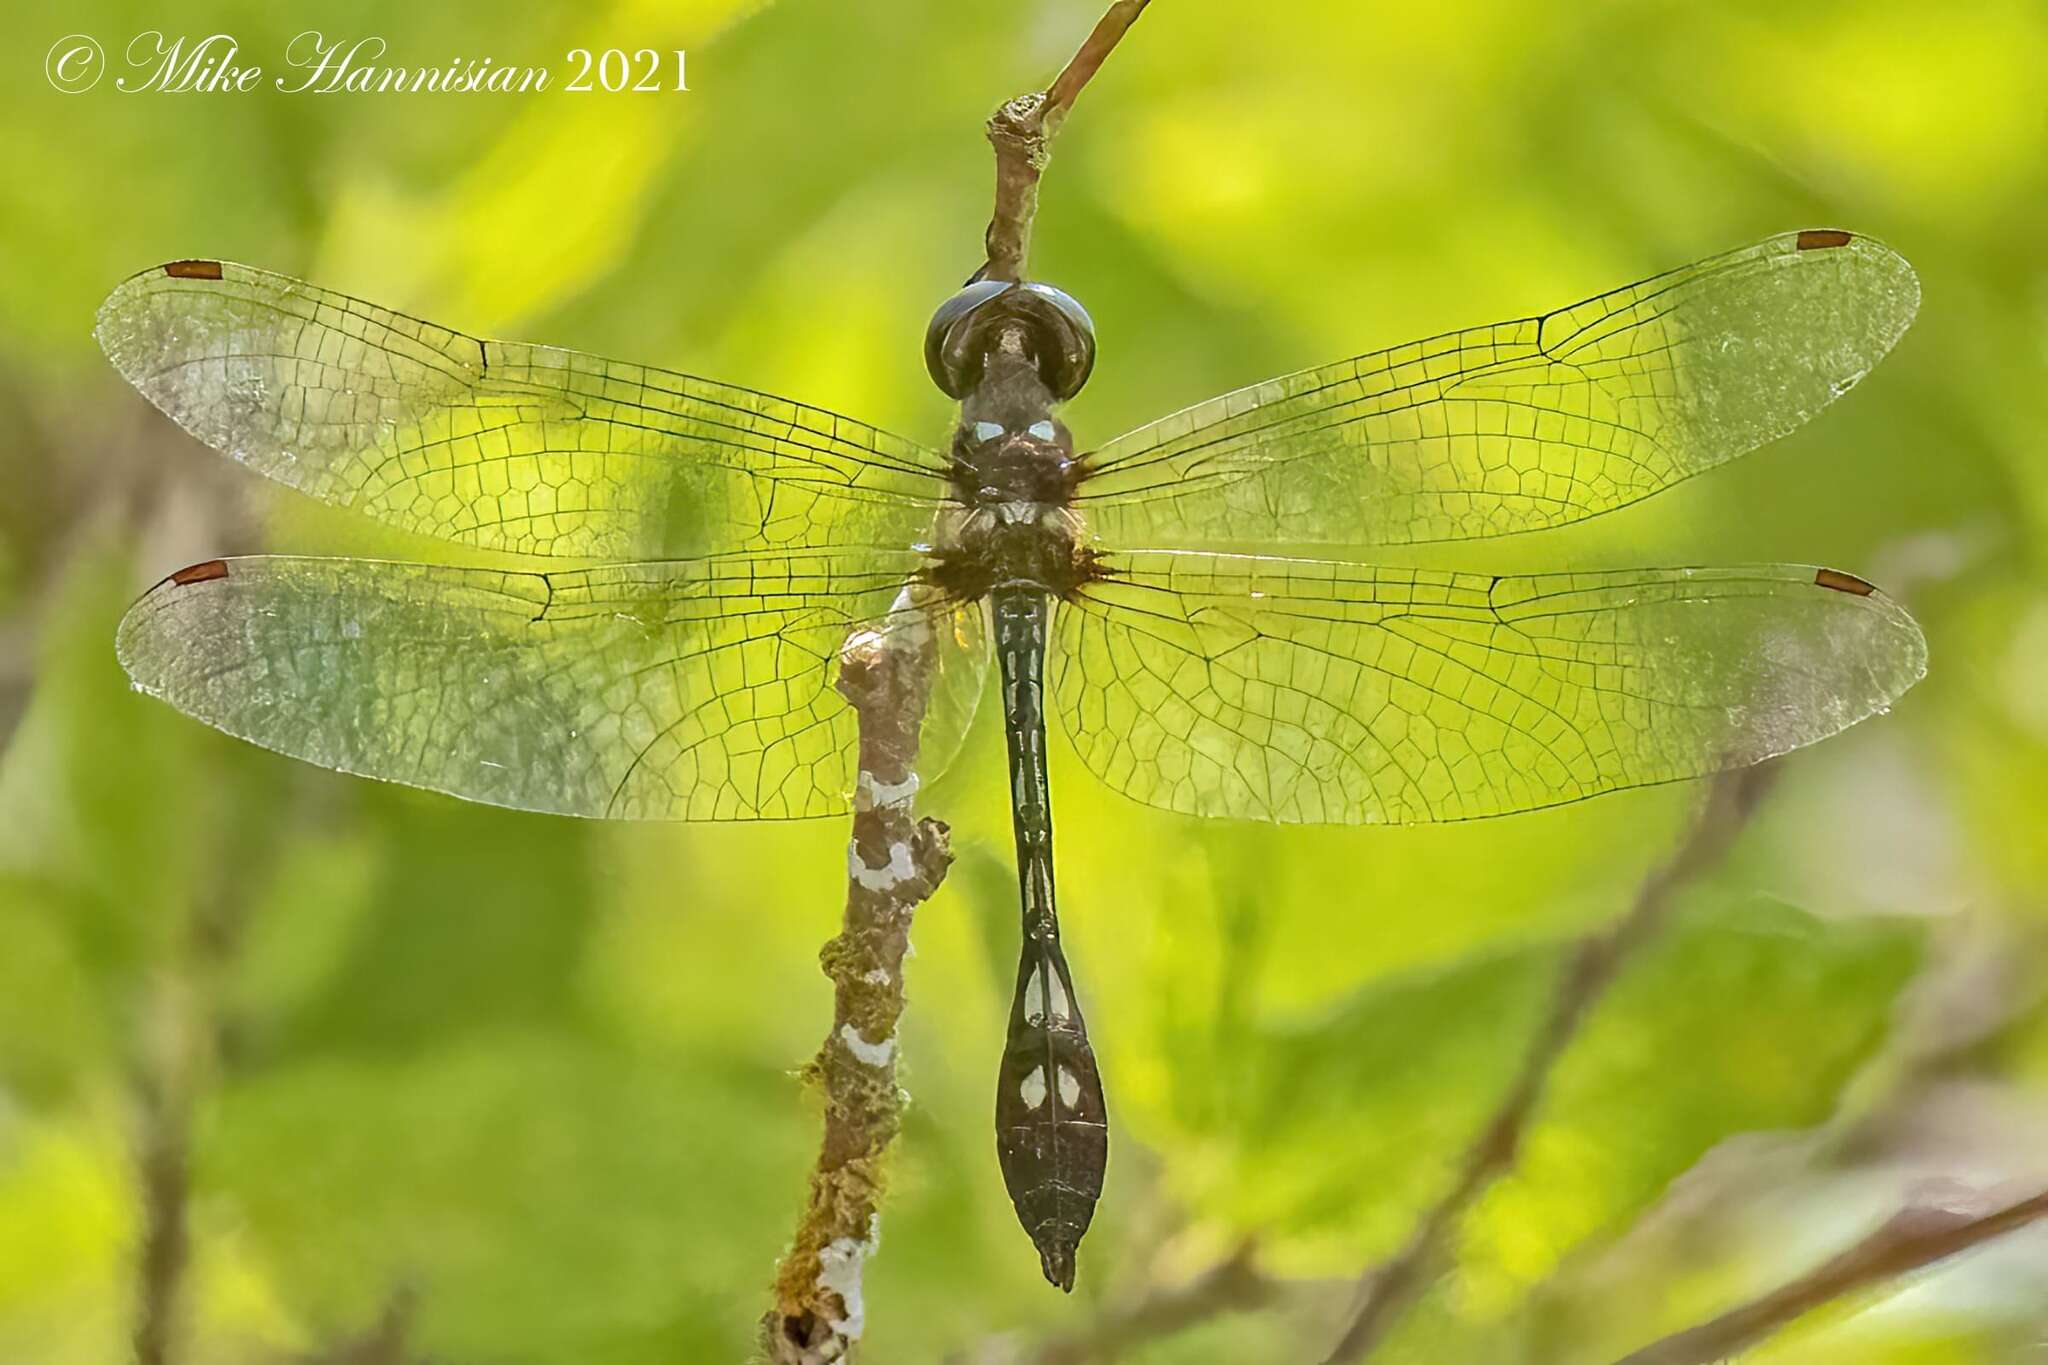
[
  {"x": 1065, "y": 335},
  {"x": 949, "y": 352},
  {"x": 1062, "y": 335}
]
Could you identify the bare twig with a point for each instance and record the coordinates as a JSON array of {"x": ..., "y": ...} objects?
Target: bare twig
[
  {"x": 178, "y": 1063},
  {"x": 383, "y": 1342},
  {"x": 1386, "y": 1291},
  {"x": 1233, "y": 1284},
  {"x": 1022, "y": 131},
  {"x": 895, "y": 863},
  {"x": 163, "y": 1087},
  {"x": 1909, "y": 1240}
]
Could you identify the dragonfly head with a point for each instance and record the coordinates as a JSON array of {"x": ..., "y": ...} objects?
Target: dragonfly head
[{"x": 970, "y": 327}]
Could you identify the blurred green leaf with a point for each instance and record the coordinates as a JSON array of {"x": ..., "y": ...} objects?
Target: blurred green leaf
[
  {"x": 454, "y": 931},
  {"x": 541, "y": 1068},
  {"x": 545, "y": 1199},
  {"x": 1329, "y": 1137}
]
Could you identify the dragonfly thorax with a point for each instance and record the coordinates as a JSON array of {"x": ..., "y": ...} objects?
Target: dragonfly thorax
[
  {"x": 1014, "y": 543},
  {"x": 1014, "y": 473},
  {"x": 1012, "y": 453}
]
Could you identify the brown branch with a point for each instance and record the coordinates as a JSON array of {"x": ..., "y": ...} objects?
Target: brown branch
[
  {"x": 383, "y": 1342},
  {"x": 1231, "y": 1285},
  {"x": 1022, "y": 131},
  {"x": 895, "y": 863},
  {"x": 1387, "y": 1291},
  {"x": 1910, "y": 1239},
  {"x": 179, "y": 1061},
  {"x": 163, "y": 1090}
]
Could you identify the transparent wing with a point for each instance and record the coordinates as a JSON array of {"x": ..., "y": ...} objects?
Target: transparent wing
[
  {"x": 496, "y": 444},
  {"x": 964, "y": 648},
  {"x": 1522, "y": 424},
  {"x": 1312, "y": 691},
  {"x": 692, "y": 691}
]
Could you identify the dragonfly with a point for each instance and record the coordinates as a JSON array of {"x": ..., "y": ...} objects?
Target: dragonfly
[{"x": 1207, "y": 603}]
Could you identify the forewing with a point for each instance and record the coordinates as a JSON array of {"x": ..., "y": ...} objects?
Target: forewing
[
  {"x": 1520, "y": 425},
  {"x": 1321, "y": 692},
  {"x": 691, "y": 691},
  {"x": 497, "y": 444}
]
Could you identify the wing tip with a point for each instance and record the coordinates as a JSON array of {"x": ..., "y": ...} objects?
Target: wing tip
[
  {"x": 1886, "y": 278},
  {"x": 1911, "y": 658},
  {"x": 115, "y": 325},
  {"x": 1874, "y": 254},
  {"x": 144, "y": 611}
]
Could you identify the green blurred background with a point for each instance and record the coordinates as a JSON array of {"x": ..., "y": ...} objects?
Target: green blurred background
[{"x": 528, "y": 1084}]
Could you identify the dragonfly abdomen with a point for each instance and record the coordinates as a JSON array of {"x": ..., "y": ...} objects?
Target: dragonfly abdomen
[{"x": 1052, "y": 1124}]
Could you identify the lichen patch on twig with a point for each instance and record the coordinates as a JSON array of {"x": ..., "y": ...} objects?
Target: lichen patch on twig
[
  {"x": 865, "y": 1052},
  {"x": 839, "y": 1273},
  {"x": 898, "y": 868}
]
